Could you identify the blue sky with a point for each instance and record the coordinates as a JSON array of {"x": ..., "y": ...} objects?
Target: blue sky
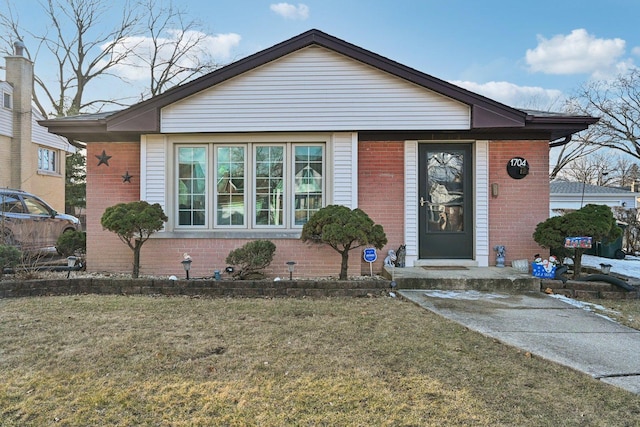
[{"x": 521, "y": 53}]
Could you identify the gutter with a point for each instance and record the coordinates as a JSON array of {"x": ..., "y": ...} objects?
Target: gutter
[{"x": 565, "y": 141}]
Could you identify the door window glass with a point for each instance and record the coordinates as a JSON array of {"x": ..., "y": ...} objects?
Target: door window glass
[{"x": 445, "y": 178}]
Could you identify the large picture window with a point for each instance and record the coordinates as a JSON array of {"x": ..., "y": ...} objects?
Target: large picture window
[{"x": 253, "y": 185}]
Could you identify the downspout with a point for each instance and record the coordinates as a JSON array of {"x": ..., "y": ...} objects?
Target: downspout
[{"x": 565, "y": 141}]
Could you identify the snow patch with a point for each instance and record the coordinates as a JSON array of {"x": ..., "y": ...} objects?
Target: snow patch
[{"x": 463, "y": 295}]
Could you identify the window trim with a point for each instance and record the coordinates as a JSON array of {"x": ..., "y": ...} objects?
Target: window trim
[
  {"x": 176, "y": 191},
  {"x": 214, "y": 197},
  {"x": 7, "y": 95},
  {"x": 325, "y": 179},
  {"x": 55, "y": 164},
  {"x": 249, "y": 230},
  {"x": 286, "y": 149}
]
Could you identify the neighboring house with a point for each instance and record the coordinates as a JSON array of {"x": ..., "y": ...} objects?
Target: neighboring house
[
  {"x": 252, "y": 150},
  {"x": 570, "y": 196},
  {"x": 31, "y": 158}
]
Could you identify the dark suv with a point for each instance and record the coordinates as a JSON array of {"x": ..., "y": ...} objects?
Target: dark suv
[{"x": 28, "y": 222}]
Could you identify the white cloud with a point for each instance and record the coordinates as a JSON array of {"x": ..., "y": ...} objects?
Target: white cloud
[
  {"x": 577, "y": 52},
  {"x": 289, "y": 11},
  {"x": 136, "y": 67},
  {"x": 531, "y": 97}
]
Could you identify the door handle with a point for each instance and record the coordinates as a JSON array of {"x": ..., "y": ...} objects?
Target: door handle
[{"x": 422, "y": 201}]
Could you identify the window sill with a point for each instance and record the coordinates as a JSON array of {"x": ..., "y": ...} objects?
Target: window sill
[
  {"x": 49, "y": 173},
  {"x": 228, "y": 234}
]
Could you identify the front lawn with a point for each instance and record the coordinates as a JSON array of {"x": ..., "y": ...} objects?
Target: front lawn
[{"x": 121, "y": 361}]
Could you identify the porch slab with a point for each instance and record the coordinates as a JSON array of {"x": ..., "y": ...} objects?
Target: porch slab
[{"x": 457, "y": 277}]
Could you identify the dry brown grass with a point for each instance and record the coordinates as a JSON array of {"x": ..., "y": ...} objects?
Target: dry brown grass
[{"x": 116, "y": 360}]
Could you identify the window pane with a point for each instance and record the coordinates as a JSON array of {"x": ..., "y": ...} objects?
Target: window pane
[
  {"x": 308, "y": 182},
  {"x": 230, "y": 185},
  {"x": 269, "y": 184},
  {"x": 46, "y": 160},
  {"x": 192, "y": 199},
  {"x": 34, "y": 207}
]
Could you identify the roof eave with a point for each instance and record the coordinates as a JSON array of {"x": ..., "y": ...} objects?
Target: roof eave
[{"x": 486, "y": 112}]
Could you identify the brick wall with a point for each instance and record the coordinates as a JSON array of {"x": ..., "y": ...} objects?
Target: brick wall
[
  {"x": 105, "y": 252},
  {"x": 521, "y": 204},
  {"x": 162, "y": 256},
  {"x": 381, "y": 191}
]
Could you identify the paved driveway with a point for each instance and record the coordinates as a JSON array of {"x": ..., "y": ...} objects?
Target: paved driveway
[{"x": 547, "y": 327}]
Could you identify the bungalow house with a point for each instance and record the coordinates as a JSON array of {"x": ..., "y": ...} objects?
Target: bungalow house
[
  {"x": 31, "y": 159},
  {"x": 253, "y": 149}
]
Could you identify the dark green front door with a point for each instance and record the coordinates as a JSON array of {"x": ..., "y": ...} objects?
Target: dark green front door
[{"x": 445, "y": 201}]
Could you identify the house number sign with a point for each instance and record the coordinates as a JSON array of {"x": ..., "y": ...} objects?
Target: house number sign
[{"x": 518, "y": 168}]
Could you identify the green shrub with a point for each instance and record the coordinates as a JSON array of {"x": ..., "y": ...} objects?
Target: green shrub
[
  {"x": 251, "y": 258},
  {"x": 134, "y": 223},
  {"x": 71, "y": 243},
  {"x": 594, "y": 221},
  {"x": 343, "y": 229},
  {"x": 9, "y": 257}
]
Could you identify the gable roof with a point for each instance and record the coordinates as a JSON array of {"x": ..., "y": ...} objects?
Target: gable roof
[{"x": 487, "y": 115}]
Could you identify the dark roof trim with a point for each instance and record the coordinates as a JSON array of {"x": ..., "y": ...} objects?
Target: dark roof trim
[{"x": 144, "y": 117}]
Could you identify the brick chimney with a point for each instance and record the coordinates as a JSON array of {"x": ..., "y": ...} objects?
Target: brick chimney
[{"x": 19, "y": 73}]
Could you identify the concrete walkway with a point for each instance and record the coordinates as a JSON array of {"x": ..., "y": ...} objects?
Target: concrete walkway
[{"x": 546, "y": 327}]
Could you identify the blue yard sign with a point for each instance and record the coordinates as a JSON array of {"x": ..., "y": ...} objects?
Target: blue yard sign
[{"x": 370, "y": 256}]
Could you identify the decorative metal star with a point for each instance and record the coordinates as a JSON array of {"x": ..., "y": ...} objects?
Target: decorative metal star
[
  {"x": 103, "y": 158},
  {"x": 126, "y": 177}
]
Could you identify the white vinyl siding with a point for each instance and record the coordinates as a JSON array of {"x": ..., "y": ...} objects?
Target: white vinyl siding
[
  {"x": 314, "y": 89},
  {"x": 481, "y": 190},
  {"x": 345, "y": 169},
  {"x": 153, "y": 167},
  {"x": 41, "y": 136},
  {"x": 411, "y": 201}
]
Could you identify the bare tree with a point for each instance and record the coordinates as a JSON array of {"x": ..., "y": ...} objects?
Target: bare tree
[
  {"x": 631, "y": 233},
  {"x": 175, "y": 50},
  {"x": 617, "y": 103},
  {"x": 84, "y": 50},
  {"x": 564, "y": 155},
  {"x": 151, "y": 37},
  {"x": 603, "y": 169},
  {"x": 596, "y": 169}
]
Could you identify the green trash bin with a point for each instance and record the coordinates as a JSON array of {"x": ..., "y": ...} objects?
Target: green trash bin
[{"x": 607, "y": 249}]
